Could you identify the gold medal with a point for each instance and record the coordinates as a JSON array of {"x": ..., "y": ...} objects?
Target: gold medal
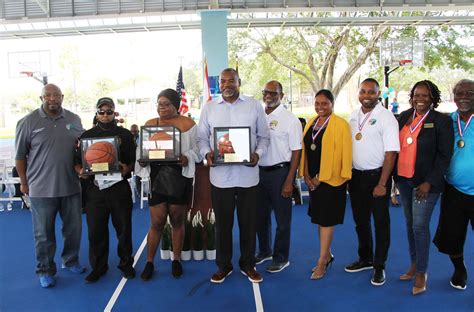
[
  {"x": 409, "y": 140},
  {"x": 461, "y": 143},
  {"x": 358, "y": 136},
  {"x": 313, "y": 147}
]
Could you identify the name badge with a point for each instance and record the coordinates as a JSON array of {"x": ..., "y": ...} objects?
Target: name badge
[{"x": 428, "y": 125}]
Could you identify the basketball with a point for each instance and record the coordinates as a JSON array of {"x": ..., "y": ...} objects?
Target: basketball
[
  {"x": 100, "y": 152},
  {"x": 160, "y": 136}
]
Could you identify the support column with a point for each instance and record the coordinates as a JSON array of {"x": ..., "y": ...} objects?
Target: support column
[{"x": 214, "y": 43}]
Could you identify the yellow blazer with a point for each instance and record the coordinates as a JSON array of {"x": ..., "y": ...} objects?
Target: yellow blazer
[{"x": 336, "y": 153}]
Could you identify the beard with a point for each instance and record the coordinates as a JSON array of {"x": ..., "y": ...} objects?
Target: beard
[
  {"x": 227, "y": 93},
  {"x": 272, "y": 104}
]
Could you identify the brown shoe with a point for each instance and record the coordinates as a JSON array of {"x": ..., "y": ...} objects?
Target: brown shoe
[
  {"x": 421, "y": 280},
  {"x": 220, "y": 276},
  {"x": 252, "y": 275},
  {"x": 410, "y": 274}
]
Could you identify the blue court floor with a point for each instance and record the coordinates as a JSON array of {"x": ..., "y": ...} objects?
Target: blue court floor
[{"x": 289, "y": 290}]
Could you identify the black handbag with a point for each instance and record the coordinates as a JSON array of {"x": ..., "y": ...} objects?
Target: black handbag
[{"x": 169, "y": 182}]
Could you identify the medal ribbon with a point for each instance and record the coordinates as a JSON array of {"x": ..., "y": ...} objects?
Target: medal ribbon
[
  {"x": 461, "y": 130},
  {"x": 313, "y": 135},
  {"x": 419, "y": 121},
  {"x": 364, "y": 121}
]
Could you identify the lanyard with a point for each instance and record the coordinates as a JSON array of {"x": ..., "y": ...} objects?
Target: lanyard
[
  {"x": 313, "y": 135},
  {"x": 460, "y": 129},
  {"x": 361, "y": 125},
  {"x": 413, "y": 129}
]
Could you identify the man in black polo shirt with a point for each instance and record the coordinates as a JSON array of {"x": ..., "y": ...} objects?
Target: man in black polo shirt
[{"x": 114, "y": 199}]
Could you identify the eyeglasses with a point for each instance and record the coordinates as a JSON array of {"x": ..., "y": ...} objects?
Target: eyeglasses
[
  {"x": 272, "y": 93},
  {"x": 108, "y": 112},
  {"x": 465, "y": 93}
]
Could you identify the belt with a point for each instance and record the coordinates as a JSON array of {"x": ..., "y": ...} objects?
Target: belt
[
  {"x": 275, "y": 167},
  {"x": 367, "y": 172}
]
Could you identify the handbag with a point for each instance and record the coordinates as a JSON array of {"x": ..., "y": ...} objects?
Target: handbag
[{"x": 169, "y": 182}]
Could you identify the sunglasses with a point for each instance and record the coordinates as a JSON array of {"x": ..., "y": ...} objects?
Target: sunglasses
[
  {"x": 272, "y": 93},
  {"x": 108, "y": 112}
]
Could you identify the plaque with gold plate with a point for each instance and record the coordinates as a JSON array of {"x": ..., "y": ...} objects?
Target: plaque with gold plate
[
  {"x": 160, "y": 144},
  {"x": 100, "y": 155},
  {"x": 231, "y": 145}
]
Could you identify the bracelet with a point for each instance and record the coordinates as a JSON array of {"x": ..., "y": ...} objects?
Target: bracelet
[{"x": 382, "y": 185}]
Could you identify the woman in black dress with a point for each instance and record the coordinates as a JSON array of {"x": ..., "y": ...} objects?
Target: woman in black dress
[{"x": 327, "y": 165}]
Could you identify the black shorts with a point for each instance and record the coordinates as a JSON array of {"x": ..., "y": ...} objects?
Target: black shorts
[
  {"x": 156, "y": 199},
  {"x": 457, "y": 209}
]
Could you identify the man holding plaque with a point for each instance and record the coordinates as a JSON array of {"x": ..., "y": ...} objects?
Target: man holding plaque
[
  {"x": 234, "y": 185},
  {"x": 45, "y": 142},
  {"x": 457, "y": 201},
  {"x": 109, "y": 195},
  {"x": 374, "y": 148},
  {"x": 277, "y": 174}
]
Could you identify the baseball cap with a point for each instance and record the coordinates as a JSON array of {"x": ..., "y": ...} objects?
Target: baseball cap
[{"x": 105, "y": 100}]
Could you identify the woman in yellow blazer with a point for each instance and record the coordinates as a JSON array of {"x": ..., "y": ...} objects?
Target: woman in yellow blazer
[{"x": 326, "y": 164}]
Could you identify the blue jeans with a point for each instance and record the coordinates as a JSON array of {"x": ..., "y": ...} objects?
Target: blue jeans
[
  {"x": 271, "y": 184},
  {"x": 417, "y": 217},
  {"x": 43, "y": 214}
]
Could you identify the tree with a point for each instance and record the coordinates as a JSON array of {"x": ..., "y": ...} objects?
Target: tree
[{"x": 328, "y": 57}]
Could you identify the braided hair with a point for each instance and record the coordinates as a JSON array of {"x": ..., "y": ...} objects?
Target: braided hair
[{"x": 435, "y": 94}]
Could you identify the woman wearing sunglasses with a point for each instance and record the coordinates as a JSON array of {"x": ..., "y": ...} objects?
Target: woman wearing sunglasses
[
  {"x": 162, "y": 205},
  {"x": 110, "y": 199}
]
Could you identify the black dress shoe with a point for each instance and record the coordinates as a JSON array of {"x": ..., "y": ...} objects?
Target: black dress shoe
[
  {"x": 128, "y": 272},
  {"x": 459, "y": 279},
  {"x": 148, "y": 271},
  {"x": 94, "y": 276},
  {"x": 176, "y": 269}
]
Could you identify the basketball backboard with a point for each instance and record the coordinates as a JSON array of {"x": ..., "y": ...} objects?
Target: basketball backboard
[
  {"x": 401, "y": 52},
  {"x": 36, "y": 63}
]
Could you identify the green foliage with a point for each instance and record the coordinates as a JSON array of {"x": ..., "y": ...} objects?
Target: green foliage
[
  {"x": 327, "y": 57},
  {"x": 187, "y": 235},
  {"x": 210, "y": 236},
  {"x": 198, "y": 238}
]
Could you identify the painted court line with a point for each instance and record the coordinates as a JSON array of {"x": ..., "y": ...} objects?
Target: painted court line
[
  {"x": 258, "y": 297},
  {"x": 120, "y": 286}
]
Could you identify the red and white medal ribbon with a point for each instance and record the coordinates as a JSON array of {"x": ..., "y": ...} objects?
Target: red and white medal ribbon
[
  {"x": 413, "y": 129},
  {"x": 315, "y": 135},
  {"x": 460, "y": 129},
  {"x": 361, "y": 125}
]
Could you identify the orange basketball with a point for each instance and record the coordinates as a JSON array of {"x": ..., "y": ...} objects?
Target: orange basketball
[
  {"x": 160, "y": 136},
  {"x": 100, "y": 152},
  {"x": 163, "y": 136}
]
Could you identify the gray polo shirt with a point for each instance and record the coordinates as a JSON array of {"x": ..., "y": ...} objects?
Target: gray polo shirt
[{"x": 48, "y": 144}]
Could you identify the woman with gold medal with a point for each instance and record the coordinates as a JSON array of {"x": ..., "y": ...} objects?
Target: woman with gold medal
[
  {"x": 426, "y": 147},
  {"x": 326, "y": 163}
]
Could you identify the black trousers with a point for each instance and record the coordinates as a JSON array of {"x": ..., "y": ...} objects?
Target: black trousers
[
  {"x": 224, "y": 201},
  {"x": 365, "y": 205},
  {"x": 115, "y": 201}
]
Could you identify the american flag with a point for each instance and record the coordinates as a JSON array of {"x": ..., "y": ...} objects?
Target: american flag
[
  {"x": 183, "y": 107},
  {"x": 207, "y": 97}
]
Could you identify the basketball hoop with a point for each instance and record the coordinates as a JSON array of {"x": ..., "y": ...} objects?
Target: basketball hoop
[
  {"x": 27, "y": 73},
  {"x": 405, "y": 62}
]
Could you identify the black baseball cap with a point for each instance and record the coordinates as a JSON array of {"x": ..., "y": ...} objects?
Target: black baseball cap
[{"x": 105, "y": 100}]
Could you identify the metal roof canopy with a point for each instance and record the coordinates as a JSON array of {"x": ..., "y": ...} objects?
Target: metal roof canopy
[{"x": 50, "y": 18}]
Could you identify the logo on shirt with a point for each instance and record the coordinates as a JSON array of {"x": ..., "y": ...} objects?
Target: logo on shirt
[
  {"x": 372, "y": 121},
  {"x": 38, "y": 130},
  {"x": 71, "y": 126},
  {"x": 273, "y": 124}
]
